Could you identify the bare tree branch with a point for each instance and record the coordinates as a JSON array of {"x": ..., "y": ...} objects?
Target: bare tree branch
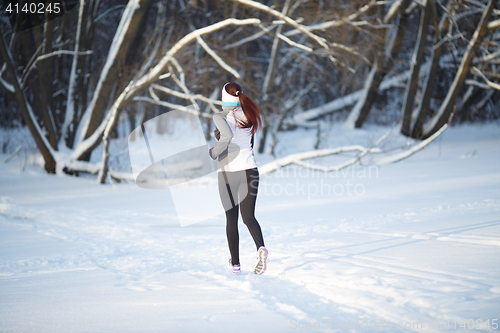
[
  {"x": 171, "y": 106},
  {"x": 266, "y": 9},
  {"x": 251, "y": 38},
  {"x": 487, "y": 58},
  {"x": 218, "y": 59},
  {"x": 394, "y": 9},
  {"x": 477, "y": 84},
  {"x": 107, "y": 12},
  {"x": 48, "y": 55},
  {"x": 6, "y": 85},
  {"x": 347, "y": 20},
  {"x": 494, "y": 25},
  {"x": 490, "y": 84},
  {"x": 348, "y": 50},
  {"x": 30, "y": 62},
  {"x": 184, "y": 96}
]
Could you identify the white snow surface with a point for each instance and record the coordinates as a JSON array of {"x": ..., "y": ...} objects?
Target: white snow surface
[{"x": 412, "y": 242}]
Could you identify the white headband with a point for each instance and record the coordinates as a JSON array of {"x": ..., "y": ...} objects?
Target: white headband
[{"x": 228, "y": 98}]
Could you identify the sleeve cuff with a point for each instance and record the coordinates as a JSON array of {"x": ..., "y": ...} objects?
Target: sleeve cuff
[{"x": 210, "y": 153}]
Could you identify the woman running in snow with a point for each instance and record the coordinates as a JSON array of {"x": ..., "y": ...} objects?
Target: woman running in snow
[{"x": 238, "y": 175}]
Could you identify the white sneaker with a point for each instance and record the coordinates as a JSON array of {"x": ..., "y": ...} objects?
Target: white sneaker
[
  {"x": 236, "y": 269},
  {"x": 260, "y": 266}
]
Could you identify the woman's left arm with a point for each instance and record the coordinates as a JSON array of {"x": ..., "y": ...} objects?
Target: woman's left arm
[{"x": 225, "y": 134}]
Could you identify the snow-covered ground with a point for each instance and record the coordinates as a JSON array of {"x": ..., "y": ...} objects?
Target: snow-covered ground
[{"x": 414, "y": 244}]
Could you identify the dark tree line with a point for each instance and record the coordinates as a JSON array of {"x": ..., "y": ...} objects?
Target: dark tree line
[{"x": 69, "y": 77}]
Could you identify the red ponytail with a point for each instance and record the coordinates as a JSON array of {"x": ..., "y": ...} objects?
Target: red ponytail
[{"x": 250, "y": 109}]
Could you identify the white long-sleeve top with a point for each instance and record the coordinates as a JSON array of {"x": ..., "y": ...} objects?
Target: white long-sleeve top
[{"x": 236, "y": 139}]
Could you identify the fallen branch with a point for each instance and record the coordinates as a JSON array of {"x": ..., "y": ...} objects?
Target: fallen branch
[
  {"x": 11, "y": 156},
  {"x": 121, "y": 175},
  {"x": 299, "y": 158},
  {"x": 414, "y": 149},
  {"x": 73, "y": 166}
]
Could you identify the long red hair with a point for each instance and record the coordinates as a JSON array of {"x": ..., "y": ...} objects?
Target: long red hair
[{"x": 250, "y": 109}]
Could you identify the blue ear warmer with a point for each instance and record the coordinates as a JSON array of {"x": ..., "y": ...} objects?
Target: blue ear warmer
[{"x": 231, "y": 103}]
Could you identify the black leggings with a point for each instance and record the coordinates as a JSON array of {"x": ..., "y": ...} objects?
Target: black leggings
[{"x": 238, "y": 189}]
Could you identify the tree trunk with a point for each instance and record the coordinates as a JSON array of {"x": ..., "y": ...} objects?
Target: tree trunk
[
  {"x": 267, "y": 79},
  {"x": 28, "y": 116},
  {"x": 262, "y": 142},
  {"x": 83, "y": 68},
  {"x": 274, "y": 52},
  {"x": 131, "y": 119},
  {"x": 430, "y": 82},
  {"x": 66, "y": 137},
  {"x": 360, "y": 111},
  {"x": 443, "y": 114},
  {"x": 416, "y": 61},
  {"x": 45, "y": 78},
  {"x": 97, "y": 107}
]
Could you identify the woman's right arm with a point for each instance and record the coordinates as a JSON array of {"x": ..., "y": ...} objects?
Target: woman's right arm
[{"x": 225, "y": 134}]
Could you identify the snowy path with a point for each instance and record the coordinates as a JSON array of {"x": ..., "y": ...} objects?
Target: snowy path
[{"x": 421, "y": 244}]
